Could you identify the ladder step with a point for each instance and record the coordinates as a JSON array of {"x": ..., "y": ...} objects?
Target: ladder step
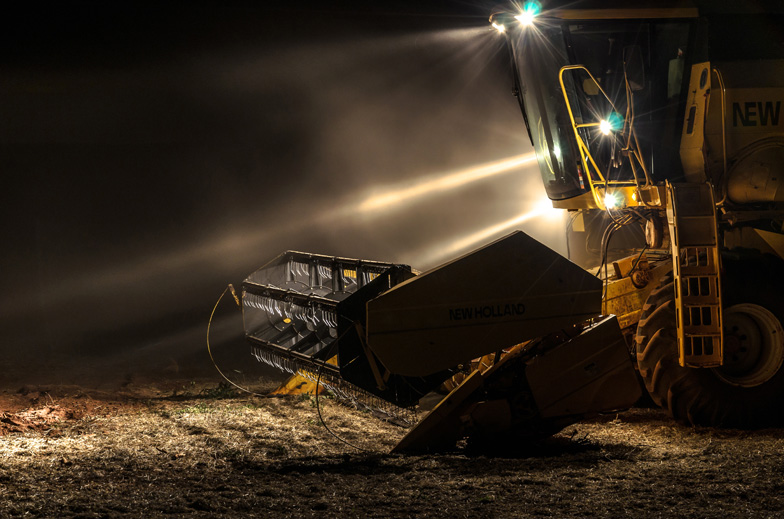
[{"x": 696, "y": 265}]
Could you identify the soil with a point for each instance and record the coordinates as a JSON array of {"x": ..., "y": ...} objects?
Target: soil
[{"x": 188, "y": 449}]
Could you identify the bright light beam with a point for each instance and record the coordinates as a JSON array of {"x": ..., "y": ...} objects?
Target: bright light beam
[
  {"x": 612, "y": 201},
  {"x": 526, "y": 18},
  {"x": 449, "y": 181},
  {"x": 485, "y": 234},
  {"x": 530, "y": 12},
  {"x": 445, "y": 251}
]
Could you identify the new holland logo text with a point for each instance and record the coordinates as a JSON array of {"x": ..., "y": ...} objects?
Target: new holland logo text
[
  {"x": 486, "y": 312},
  {"x": 756, "y": 113}
]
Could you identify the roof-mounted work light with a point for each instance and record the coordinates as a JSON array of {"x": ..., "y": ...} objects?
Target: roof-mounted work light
[{"x": 530, "y": 11}]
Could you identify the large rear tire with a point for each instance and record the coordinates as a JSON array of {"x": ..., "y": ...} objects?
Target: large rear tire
[{"x": 748, "y": 391}]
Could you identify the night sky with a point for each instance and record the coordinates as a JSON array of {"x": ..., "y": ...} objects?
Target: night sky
[{"x": 153, "y": 153}]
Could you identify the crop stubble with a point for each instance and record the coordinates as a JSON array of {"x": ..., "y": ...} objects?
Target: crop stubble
[{"x": 206, "y": 452}]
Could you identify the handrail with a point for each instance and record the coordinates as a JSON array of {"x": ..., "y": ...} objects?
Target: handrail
[
  {"x": 585, "y": 153},
  {"x": 723, "y": 136}
]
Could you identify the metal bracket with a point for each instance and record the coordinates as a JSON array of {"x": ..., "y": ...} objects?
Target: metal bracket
[{"x": 380, "y": 381}]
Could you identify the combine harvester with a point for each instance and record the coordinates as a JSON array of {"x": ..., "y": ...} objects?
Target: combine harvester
[{"x": 658, "y": 127}]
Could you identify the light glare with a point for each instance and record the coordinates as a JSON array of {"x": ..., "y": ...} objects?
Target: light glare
[
  {"x": 526, "y": 18},
  {"x": 605, "y": 127},
  {"x": 545, "y": 208},
  {"x": 449, "y": 181},
  {"x": 498, "y": 27},
  {"x": 612, "y": 200},
  {"x": 446, "y": 251},
  {"x": 529, "y": 12}
]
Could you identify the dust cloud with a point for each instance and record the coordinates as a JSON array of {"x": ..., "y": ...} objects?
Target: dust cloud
[{"x": 152, "y": 158}]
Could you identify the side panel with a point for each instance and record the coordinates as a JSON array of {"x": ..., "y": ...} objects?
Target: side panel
[
  {"x": 534, "y": 391},
  {"x": 591, "y": 373},
  {"x": 510, "y": 291}
]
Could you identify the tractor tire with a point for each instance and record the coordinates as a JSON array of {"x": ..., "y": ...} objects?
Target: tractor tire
[{"x": 744, "y": 393}]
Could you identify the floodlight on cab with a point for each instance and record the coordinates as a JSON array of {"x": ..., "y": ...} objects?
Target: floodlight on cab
[
  {"x": 498, "y": 27},
  {"x": 500, "y": 21},
  {"x": 530, "y": 11}
]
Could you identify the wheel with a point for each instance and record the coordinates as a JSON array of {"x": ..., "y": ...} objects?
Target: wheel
[{"x": 747, "y": 391}]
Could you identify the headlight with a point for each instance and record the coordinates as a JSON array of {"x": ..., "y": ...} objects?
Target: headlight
[{"x": 612, "y": 200}]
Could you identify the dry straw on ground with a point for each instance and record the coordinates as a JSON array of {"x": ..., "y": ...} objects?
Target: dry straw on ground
[{"x": 155, "y": 452}]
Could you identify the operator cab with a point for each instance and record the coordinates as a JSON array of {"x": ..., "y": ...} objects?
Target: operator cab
[{"x": 602, "y": 96}]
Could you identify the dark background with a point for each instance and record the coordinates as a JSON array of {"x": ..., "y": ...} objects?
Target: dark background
[{"x": 153, "y": 153}]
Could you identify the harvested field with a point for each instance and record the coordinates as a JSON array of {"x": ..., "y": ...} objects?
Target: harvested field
[{"x": 204, "y": 451}]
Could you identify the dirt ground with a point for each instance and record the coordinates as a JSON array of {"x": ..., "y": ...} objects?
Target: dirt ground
[{"x": 205, "y": 451}]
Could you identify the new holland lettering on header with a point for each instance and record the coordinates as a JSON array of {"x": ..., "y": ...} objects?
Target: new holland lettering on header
[{"x": 486, "y": 312}]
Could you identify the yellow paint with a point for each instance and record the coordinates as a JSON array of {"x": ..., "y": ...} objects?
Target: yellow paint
[{"x": 297, "y": 385}]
